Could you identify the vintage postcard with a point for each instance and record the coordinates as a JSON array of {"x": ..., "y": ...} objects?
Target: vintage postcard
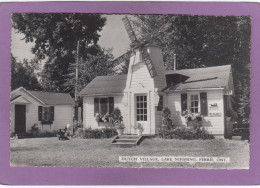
[{"x": 146, "y": 89}]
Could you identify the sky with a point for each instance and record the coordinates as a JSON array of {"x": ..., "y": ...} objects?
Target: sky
[{"x": 113, "y": 36}]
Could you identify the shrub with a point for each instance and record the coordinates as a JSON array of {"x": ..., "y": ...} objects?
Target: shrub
[
  {"x": 166, "y": 118},
  {"x": 97, "y": 133},
  {"x": 184, "y": 133},
  {"x": 116, "y": 116}
]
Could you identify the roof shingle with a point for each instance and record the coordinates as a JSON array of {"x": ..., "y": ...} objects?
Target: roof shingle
[
  {"x": 105, "y": 85},
  {"x": 199, "y": 78},
  {"x": 51, "y": 98},
  {"x": 210, "y": 77}
]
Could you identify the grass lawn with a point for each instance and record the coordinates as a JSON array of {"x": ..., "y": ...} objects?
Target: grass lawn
[{"x": 98, "y": 153}]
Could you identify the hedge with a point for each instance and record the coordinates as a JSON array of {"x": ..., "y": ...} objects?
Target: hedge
[{"x": 184, "y": 133}]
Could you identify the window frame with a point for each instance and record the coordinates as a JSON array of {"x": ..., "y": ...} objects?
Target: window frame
[
  {"x": 99, "y": 104},
  {"x": 143, "y": 115},
  {"x": 51, "y": 110},
  {"x": 192, "y": 100},
  {"x": 189, "y": 94}
]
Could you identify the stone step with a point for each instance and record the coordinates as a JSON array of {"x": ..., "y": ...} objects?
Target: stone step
[
  {"x": 129, "y": 136},
  {"x": 126, "y": 140}
]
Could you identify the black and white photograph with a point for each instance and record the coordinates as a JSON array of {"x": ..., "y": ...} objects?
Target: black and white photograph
[{"x": 130, "y": 90}]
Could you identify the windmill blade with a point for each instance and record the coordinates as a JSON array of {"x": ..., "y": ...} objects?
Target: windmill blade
[
  {"x": 123, "y": 58},
  {"x": 156, "y": 32},
  {"x": 148, "y": 62},
  {"x": 129, "y": 29}
]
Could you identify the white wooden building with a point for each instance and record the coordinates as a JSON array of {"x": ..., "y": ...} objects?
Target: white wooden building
[
  {"x": 51, "y": 111},
  {"x": 141, "y": 98}
]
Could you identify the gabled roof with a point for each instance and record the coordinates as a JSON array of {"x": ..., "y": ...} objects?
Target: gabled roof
[
  {"x": 47, "y": 98},
  {"x": 199, "y": 78},
  {"x": 105, "y": 85}
]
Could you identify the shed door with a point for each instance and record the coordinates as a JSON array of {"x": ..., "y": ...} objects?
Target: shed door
[
  {"x": 20, "y": 118},
  {"x": 142, "y": 113}
]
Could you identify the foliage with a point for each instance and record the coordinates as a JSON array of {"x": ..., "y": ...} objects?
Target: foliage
[
  {"x": 184, "y": 133},
  {"x": 98, "y": 133},
  {"x": 98, "y": 62},
  {"x": 166, "y": 118},
  {"x": 35, "y": 129},
  {"x": 231, "y": 113},
  {"x": 102, "y": 118},
  {"x": 116, "y": 116},
  {"x": 193, "y": 120},
  {"x": 39, "y": 134},
  {"x": 55, "y": 36},
  {"x": 77, "y": 124},
  {"x": 139, "y": 126},
  {"x": 22, "y": 74},
  {"x": 119, "y": 126},
  {"x": 200, "y": 41}
]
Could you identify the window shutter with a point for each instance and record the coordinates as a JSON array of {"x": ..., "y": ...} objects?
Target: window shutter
[
  {"x": 203, "y": 104},
  {"x": 184, "y": 104},
  {"x": 96, "y": 106},
  {"x": 52, "y": 113},
  {"x": 111, "y": 104},
  {"x": 39, "y": 113}
]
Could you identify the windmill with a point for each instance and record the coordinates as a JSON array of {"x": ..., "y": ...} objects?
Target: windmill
[{"x": 140, "y": 44}]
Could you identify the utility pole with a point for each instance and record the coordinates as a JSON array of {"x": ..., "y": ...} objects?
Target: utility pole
[
  {"x": 174, "y": 62},
  {"x": 77, "y": 73}
]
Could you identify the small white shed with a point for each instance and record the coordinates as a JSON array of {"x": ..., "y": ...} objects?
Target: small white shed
[
  {"x": 141, "y": 97},
  {"x": 51, "y": 111}
]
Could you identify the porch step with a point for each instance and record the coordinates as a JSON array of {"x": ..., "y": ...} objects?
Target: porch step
[{"x": 127, "y": 140}]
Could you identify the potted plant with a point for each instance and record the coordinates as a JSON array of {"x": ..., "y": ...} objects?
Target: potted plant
[
  {"x": 120, "y": 128},
  {"x": 117, "y": 120},
  {"x": 139, "y": 127}
]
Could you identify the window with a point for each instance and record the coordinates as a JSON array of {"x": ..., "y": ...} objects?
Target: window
[
  {"x": 194, "y": 104},
  {"x": 160, "y": 104},
  {"x": 197, "y": 103},
  {"x": 141, "y": 108},
  {"x": 103, "y": 105},
  {"x": 46, "y": 114}
]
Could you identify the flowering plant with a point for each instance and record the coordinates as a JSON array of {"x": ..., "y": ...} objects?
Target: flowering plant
[
  {"x": 139, "y": 126},
  {"x": 102, "y": 118},
  {"x": 193, "y": 116}
]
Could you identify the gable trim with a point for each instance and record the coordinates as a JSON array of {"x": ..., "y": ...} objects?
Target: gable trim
[
  {"x": 28, "y": 93},
  {"x": 17, "y": 98}
]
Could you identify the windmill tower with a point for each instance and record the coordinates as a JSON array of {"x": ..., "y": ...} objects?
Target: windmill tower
[{"x": 145, "y": 79}]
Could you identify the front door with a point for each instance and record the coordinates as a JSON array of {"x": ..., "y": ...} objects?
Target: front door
[
  {"x": 142, "y": 113},
  {"x": 20, "y": 118}
]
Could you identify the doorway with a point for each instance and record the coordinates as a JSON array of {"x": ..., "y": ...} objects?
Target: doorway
[
  {"x": 20, "y": 118},
  {"x": 141, "y": 114}
]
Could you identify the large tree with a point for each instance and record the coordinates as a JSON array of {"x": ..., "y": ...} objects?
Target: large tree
[
  {"x": 55, "y": 37},
  {"x": 23, "y": 74},
  {"x": 200, "y": 41}
]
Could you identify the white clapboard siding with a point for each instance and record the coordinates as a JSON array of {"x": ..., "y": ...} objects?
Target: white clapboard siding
[
  {"x": 31, "y": 111},
  {"x": 88, "y": 111},
  {"x": 141, "y": 77},
  {"x": 214, "y": 125},
  {"x": 63, "y": 114}
]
